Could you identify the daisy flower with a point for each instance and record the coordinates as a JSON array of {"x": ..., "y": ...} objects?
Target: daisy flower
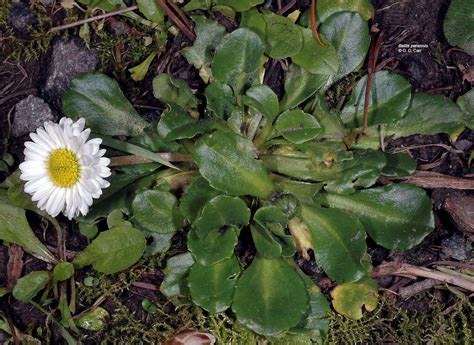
[{"x": 63, "y": 170}]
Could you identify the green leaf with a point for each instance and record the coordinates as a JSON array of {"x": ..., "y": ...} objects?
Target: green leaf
[
  {"x": 174, "y": 91},
  {"x": 240, "y": 5},
  {"x": 349, "y": 34},
  {"x": 208, "y": 35},
  {"x": 3, "y": 292},
  {"x": 156, "y": 211},
  {"x": 219, "y": 211},
  {"x": 326, "y": 8},
  {"x": 160, "y": 243},
  {"x": 88, "y": 230},
  {"x": 16, "y": 193},
  {"x": 106, "y": 5},
  {"x": 177, "y": 267},
  {"x": 27, "y": 287},
  {"x": 172, "y": 118},
  {"x": 389, "y": 101},
  {"x": 139, "y": 72},
  {"x": 115, "y": 218},
  {"x": 300, "y": 85},
  {"x": 270, "y": 297},
  {"x": 217, "y": 246},
  {"x": 228, "y": 162},
  {"x": 239, "y": 52},
  {"x": 459, "y": 25},
  {"x": 125, "y": 146},
  {"x": 253, "y": 20},
  {"x": 397, "y": 216},
  {"x": 63, "y": 271},
  {"x": 267, "y": 246},
  {"x": 350, "y": 298},
  {"x": 318, "y": 314},
  {"x": 195, "y": 197},
  {"x": 316, "y": 59},
  {"x": 427, "y": 115},
  {"x": 99, "y": 100},
  {"x": 269, "y": 234},
  {"x": 341, "y": 170},
  {"x": 123, "y": 183},
  {"x": 113, "y": 250},
  {"x": 466, "y": 103},
  {"x": 283, "y": 37},
  {"x": 14, "y": 228},
  {"x": 264, "y": 100},
  {"x": 151, "y": 11},
  {"x": 212, "y": 287},
  {"x": 220, "y": 99},
  {"x": 192, "y": 129},
  {"x": 339, "y": 243},
  {"x": 297, "y": 126},
  {"x": 94, "y": 320},
  {"x": 399, "y": 164}
]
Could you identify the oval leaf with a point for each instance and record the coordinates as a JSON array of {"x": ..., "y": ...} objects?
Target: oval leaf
[
  {"x": 427, "y": 115},
  {"x": 239, "y": 52},
  {"x": 270, "y": 297},
  {"x": 212, "y": 287},
  {"x": 219, "y": 211},
  {"x": 349, "y": 34},
  {"x": 14, "y": 228},
  {"x": 350, "y": 298},
  {"x": 339, "y": 243},
  {"x": 228, "y": 162},
  {"x": 264, "y": 100},
  {"x": 156, "y": 211},
  {"x": 300, "y": 85},
  {"x": 174, "y": 285},
  {"x": 316, "y": 59},
  {"x": 151, "y": 10},
  {"x": 94, "y": 320},
  {"x": 397, "y": 216},
  {"x": 27, "y": 287},
  {"x": 63, "y": 271},
  {"x": 208, "y": 35},
  {"x": 283, "y": 37},
  {"x": 99, "y": 100},
  {"x": 326, "y": 8},
  {"x": 217, "y": 246},
  {"x": 297, "y": 126},
  {"x": 174, "y": 91},
  {"x": 113, "y": 250},
  {"x": 195, "y": 197},
  {"x": 389, "y": 101},
  {"x": 240, "y": 5},
  {"x": 459, "y": 25}
]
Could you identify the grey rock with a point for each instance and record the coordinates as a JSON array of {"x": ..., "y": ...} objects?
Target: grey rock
[
  {"x": 30, "y": 113},
  {"x": 68, "y": 60},
  {"x": 456, "y": 247}
]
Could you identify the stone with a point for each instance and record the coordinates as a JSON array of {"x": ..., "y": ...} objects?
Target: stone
[
  {"x": 460, "y": 207},
  {"x": 68, "y": 60},
  {"x": 456, "y": 247},
  {"x": 30, "y": 113}
]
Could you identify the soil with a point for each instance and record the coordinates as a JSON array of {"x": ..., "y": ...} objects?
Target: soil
[{"x": 437, "y": 69}]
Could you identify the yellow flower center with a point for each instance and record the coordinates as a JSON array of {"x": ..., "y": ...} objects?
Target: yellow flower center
[{"x": 63, "y": 168}]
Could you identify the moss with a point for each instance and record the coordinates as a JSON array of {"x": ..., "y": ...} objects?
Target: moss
[
  {"x": 389, "y": 324},
  {"x": 38, "y": 40},
  {"x": 440, "y": 324}
]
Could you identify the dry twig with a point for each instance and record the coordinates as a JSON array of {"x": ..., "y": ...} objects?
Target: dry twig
[{"x": 432, "y": 180}]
